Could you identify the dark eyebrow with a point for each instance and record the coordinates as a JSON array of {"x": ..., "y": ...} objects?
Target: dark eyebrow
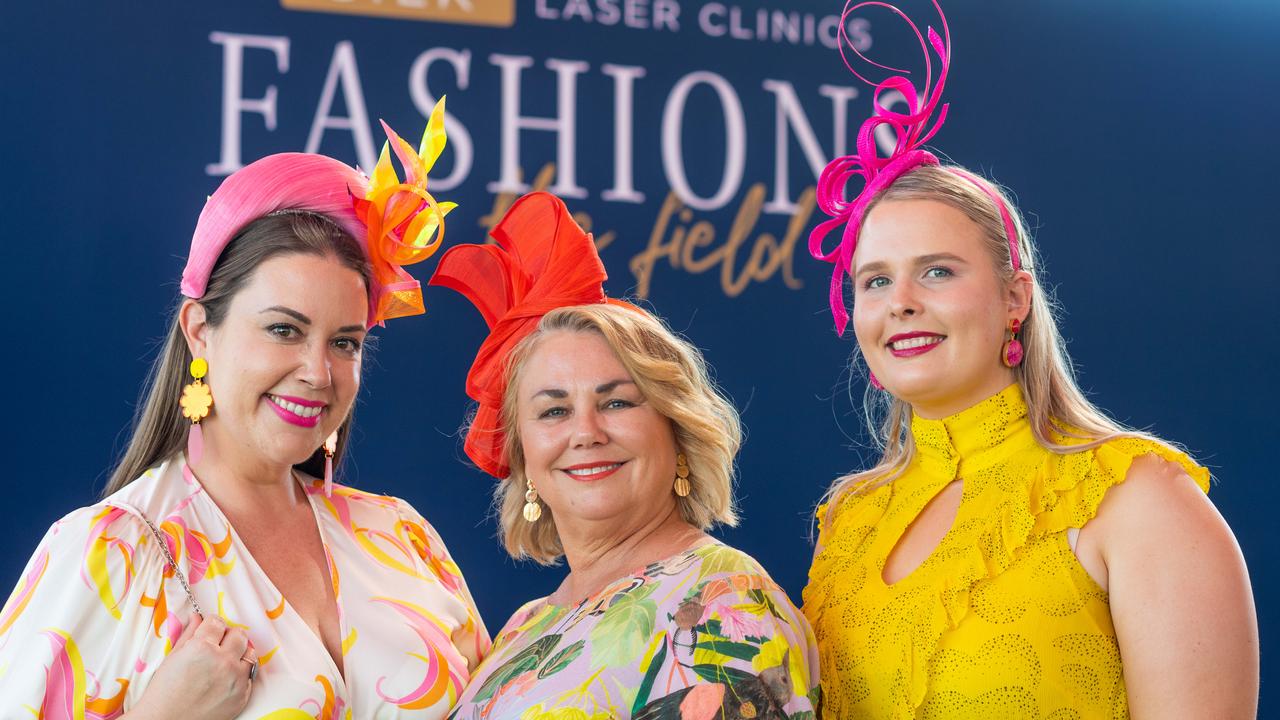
[
  {"x": 290, "y": 312},
  {"x": 307, "y": 321},
  {"x": 559, "y": 394},
  {"x": 612, "y": 385},
  {"x": 881, "y": 266}
]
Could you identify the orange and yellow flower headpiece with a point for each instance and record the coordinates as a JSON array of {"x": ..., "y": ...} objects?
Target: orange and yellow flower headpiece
[{"x": 397, "y": 223}]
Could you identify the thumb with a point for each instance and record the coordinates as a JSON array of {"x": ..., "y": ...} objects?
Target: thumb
[{"x": 188, "y": 631}]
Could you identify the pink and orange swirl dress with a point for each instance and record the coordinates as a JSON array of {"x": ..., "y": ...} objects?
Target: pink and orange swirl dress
[{"x": 98, "y": 608}]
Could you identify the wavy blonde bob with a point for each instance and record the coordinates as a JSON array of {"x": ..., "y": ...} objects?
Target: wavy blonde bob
[
  {"x": 672, "y": 375},
  {"x": 1062, "y": 419}
]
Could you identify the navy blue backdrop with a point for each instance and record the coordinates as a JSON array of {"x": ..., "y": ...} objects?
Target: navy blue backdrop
[{"x": 1138, "y": 135}]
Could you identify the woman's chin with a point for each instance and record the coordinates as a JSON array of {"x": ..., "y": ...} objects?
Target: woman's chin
[{"x": 290, "y": 455}]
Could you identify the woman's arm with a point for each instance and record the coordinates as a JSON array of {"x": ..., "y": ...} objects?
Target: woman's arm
[
  {"x": 1180, "y": 597},
  {"x": 86, "y": 608}
]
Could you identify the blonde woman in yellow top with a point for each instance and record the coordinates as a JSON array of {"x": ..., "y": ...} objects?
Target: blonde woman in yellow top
[{"x": 1015, "y": 553}]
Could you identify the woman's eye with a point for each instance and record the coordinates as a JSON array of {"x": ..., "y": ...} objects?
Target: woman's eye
[
  {"x": 618, "y": 403},
  {"x": 348, "y": 345},
  {"x": 938, "y": 272},
  {"x": 283, "y": 331},
  {"x": 878, "y": 281},
  {"x": 553, "y": 412}
]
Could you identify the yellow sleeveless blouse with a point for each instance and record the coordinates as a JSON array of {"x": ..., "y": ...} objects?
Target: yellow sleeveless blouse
[{"x": 1001, "y": 620}]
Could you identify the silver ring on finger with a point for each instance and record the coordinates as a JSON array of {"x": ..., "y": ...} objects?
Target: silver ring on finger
[{"x": 253, "y": 669}]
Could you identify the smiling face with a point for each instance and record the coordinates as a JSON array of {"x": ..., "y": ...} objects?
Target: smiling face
[
  {"x": 930, "y": 311},
  {"x": 598, "y": 454},
  {"x": 284, "y": 364}
]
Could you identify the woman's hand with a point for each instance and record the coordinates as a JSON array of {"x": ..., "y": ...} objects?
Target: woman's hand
[{"x": 205, "y": 677}]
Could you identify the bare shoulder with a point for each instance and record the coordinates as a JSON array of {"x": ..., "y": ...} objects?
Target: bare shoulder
[
  {"x": 1179, "y": 596},
  {"x": 1158, "y": 498}
]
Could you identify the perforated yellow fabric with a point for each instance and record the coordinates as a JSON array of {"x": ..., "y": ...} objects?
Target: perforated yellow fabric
[{"x": 1000, "y": 621}]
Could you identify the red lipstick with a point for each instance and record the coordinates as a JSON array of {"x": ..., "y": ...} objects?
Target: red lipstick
[
  {"x": 603, "y": 470},
  {"x": 923, "y": 343}
]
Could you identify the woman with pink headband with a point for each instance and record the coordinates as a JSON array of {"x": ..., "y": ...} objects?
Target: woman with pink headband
[
  {"x": 1015, "y": 552},
  {"x": 225, "y": 574}
]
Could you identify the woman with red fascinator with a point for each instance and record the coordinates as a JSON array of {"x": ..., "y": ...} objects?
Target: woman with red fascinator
[
  {"x": 1015, "y": 552},
  {"x": 614, "y": 451},
  {"x": 225, "y": 574}
]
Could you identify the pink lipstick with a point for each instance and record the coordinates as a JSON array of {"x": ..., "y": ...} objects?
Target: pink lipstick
[{"x": 296, "y": 411}]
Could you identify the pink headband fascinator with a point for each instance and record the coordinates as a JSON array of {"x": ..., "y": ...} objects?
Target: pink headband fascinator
[
  {"x": 396, "y": 223},
  {"x": 912, "y": 129}
]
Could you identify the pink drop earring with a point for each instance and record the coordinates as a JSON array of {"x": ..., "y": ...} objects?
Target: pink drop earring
[
  {"x": 330, "y": 447},
  {"x": 875, "y": 382},
  {"x": 1011, "y": 354}
]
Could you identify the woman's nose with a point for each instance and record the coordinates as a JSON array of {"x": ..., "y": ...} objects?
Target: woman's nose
[
  {"x": 902, "y": 300},
  {"x": 316, "y": 368},
  {"x": 587, "y": 429}
]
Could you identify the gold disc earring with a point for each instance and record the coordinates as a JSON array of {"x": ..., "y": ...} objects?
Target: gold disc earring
[
  {"x": 682, "y": 486},
  {"x": 532, "y": 510}
]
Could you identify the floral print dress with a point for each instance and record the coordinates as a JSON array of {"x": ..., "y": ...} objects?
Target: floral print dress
[
  {"x": 704, "y": 634},
  {"x": 98, "y": 608}
]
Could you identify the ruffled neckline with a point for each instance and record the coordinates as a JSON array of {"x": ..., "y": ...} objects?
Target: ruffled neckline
[
  {"x": 974, "y": 438},
  {"x": 1016, "y": 493},
  {"x": 971, "y": 431}
]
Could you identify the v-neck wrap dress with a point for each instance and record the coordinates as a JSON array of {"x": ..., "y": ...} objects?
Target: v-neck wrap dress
[{"x": 98, "y": 608}]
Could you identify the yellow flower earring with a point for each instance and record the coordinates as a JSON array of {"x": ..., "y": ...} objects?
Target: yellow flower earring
[{"x": 196, "y": 402}]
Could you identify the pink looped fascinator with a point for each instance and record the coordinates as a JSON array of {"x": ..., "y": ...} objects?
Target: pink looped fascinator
[
  {"x": 912, "y": 129},
  {"x": 396, "y": 223}
]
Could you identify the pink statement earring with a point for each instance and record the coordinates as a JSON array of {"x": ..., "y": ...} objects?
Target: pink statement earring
[
  {"x": 875, "y": 382},
  {"x": 1011, "y": 354},
  {"x": 196, "y": 401},
  {"x": 330, "y": 447}
]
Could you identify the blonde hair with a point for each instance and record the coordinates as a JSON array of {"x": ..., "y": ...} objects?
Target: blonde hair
[
  {"x": 672, "y": 375},
  {"x": 1056, "y": 407}
]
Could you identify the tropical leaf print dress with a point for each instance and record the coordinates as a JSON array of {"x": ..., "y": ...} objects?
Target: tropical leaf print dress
[
  {"x": 705, "y": 634},
  {"x": 98, "y": 608}
]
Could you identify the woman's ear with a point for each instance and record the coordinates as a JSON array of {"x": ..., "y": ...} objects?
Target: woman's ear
[
  {"x": 1021, "y": 289},
  {"x": 195, "y": 326}
]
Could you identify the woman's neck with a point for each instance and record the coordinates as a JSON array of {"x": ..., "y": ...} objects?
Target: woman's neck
[
  {"x": 944, "y": 406},
  {"x": 596, "y": 562},
  {"x": 240, "y": 484}
]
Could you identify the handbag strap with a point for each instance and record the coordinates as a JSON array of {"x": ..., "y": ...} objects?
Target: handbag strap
[{"x": 164, "y": 548}]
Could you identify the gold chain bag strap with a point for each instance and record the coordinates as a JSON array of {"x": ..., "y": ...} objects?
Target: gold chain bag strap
[
  {"x": 177, "y": 571},
  {"x": 164, "y": 548}
]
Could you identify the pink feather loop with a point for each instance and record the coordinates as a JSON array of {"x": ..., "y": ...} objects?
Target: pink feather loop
[{"x": 911, "y": 130}]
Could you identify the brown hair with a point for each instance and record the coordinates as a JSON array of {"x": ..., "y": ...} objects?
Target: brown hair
[
  {"x": 159, "y": 430},
  {"x": 672, "y": 375}
]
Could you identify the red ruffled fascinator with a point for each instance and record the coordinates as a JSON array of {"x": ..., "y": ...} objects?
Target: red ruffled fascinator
[{"x": 542, "y": 261}]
